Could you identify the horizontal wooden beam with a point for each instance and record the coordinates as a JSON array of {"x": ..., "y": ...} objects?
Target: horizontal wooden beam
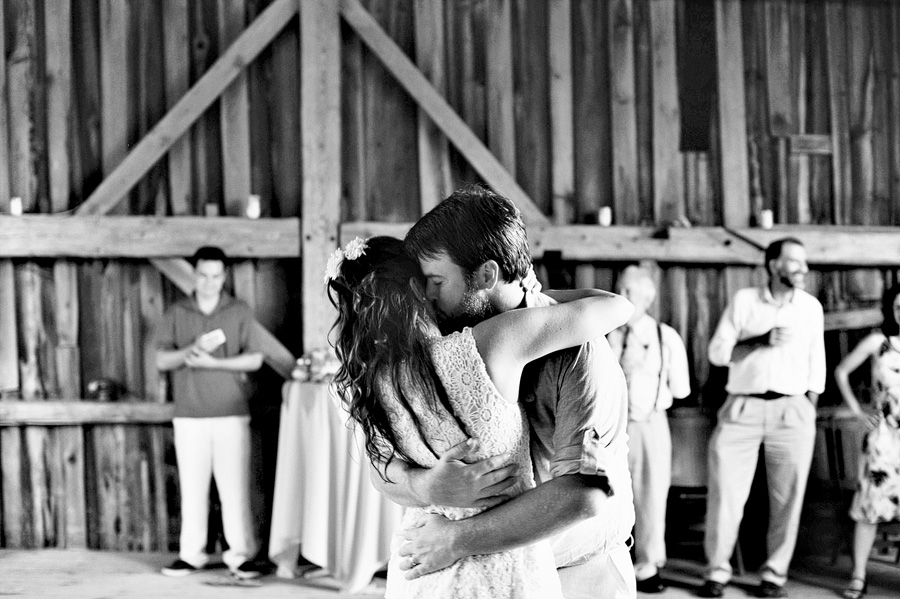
[
  {"x": 194, "y": 103},
  {"x": 68, "y": 413},
  {"x": 811, "y": 143},
  {"x": 863, "y": 318},
  {"x": 40, "y": 236},
  {"x": 842, "y": 246}
]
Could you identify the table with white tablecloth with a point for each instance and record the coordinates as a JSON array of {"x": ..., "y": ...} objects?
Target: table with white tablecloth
[{"x": 325, "y": 506}]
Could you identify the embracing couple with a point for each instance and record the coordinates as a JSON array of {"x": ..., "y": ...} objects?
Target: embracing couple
[{"x": 494, "y": 412}]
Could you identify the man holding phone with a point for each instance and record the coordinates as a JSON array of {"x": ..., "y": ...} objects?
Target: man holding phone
[{"x": 207, "y": 343}]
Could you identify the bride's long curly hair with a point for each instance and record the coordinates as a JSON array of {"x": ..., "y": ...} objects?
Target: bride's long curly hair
[{"x": 381, "y": 341}]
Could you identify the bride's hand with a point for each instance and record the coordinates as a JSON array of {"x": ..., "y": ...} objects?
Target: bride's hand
[{"x": 428, "y": 546}]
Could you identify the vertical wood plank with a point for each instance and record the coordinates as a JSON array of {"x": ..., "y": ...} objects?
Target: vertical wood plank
[
  {"x": 320, "y": 119},
  {"x": 176, "y": 46},
  {"x": 532, "y": 126},
  {"x": 562, "y": 136},
  {"x": 861, "y": 85},
  {"x": 353, "y": 129},
  {"x": 234, "y": 118},
  {"x": 13, "y": 501},
  {"x": 114, "y": 86},
  {"x": 782, "y": 117},
  {"x": 668, "y": 174},
  {"x": 622, "y": 111},
  {"x": 235, "y": 126},
  {"x": 499, "y": 81},
  {"x": 22, "y": 108},
  {"x": 9, "y": 347},
  {"x": 800, "y": 163},
  {"x": 894, "y": 95},
  {"x": 435, "y": 181},
  {"x": 390, "y": 123},
  {"x": 284, "y": 96},
  {"x": 732, "y": 115},
  {"x": 836, "y": 45},
  {"x": 590, "y": 81}
]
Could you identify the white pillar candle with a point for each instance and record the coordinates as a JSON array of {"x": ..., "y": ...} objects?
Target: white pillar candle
[
  {"x": 212, "y": 209},
  {"x": 766, "y": 219}
]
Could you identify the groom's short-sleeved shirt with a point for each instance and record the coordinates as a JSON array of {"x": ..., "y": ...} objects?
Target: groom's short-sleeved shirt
[{"x": 577, "y": 403}]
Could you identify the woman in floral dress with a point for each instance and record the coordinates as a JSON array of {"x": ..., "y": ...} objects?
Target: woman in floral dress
[{"x": 877, "y": 497}]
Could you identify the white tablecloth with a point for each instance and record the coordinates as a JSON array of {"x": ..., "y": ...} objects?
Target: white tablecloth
[{"x": 325, "y": 506}]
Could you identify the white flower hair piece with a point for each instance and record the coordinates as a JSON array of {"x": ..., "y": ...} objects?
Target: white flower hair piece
[{"x": 353, "y": 250}]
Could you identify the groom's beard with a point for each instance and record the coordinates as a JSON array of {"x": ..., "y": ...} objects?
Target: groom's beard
[{"x": 472, "y": 309}]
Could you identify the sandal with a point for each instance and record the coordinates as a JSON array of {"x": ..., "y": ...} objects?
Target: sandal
[{"x": 854, "y": 591}]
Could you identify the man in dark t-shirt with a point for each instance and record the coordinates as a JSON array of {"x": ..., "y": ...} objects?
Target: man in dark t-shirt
[{"x": 207, "y": 343}]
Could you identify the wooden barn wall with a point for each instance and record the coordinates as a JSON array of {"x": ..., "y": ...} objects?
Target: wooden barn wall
[{"x": 82, "y": 81}]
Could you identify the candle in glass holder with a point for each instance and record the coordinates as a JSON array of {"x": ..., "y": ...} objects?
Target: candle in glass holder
[
  {"x": 604, "y": 216},
  {"x": 15, "y": 206},
  {"x": 254, "y": 206}
]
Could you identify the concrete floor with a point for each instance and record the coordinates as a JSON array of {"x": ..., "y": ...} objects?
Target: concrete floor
[{"x": 82, "y": 574}]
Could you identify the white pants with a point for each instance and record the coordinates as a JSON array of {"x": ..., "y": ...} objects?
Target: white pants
[
  {"x": 786, "y": 427},
  {"x": 220, "y": 448},
  {"x": 609, "y": 575},
  {"x": 650, "y": 462}
]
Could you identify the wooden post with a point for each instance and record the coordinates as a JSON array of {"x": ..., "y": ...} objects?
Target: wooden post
[
  {"x": 732, "y": 115},
  {"x": 623, "y": 113},
  {"x": 320, "y": 119},
  {"x": 435, "y": 182},
  {"x": 668, "y": 166}
]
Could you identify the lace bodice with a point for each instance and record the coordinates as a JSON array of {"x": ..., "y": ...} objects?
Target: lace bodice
[{"x": 500, "y": 427}]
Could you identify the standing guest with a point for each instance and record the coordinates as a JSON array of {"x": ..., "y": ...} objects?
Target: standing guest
[
  {"x": 207, "y": 342},
  {"x": 654, "y": 360},
  {"x": 577, "y": 407},
  {"x": 877, "y": 497},
  {"x": 772, "y": 340}
]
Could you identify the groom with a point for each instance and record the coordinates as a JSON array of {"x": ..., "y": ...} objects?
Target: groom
[{"x": 577, "y": 405}]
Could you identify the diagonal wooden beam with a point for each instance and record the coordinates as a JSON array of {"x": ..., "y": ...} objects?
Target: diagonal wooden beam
[
  {"x": 436, "y": 107},
  {"x": 113, "y": 189}
]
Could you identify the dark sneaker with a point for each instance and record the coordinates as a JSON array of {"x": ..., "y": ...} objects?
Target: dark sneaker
[
  {"x": 770, "y": 589},
  {"x": 179, "y": 568},
  {"x": 247, "y": 570},
  {"x": 654, "y": 584},
  {"x": 711, "y": 588}
]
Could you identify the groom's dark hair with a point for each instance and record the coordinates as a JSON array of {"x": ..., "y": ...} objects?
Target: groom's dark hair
[{"x": 472, "y": 226}]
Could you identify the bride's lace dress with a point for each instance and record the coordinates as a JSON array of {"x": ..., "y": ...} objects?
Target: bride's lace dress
[{"x": 500, "y": 427}]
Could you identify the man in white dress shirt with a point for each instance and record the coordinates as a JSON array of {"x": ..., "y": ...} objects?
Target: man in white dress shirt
[
  {"x": 771, "y": 338},
  {"x": 654, "y": 360}
]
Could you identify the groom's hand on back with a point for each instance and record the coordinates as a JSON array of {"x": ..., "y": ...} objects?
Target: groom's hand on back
[{"x": 454, "y": 482}]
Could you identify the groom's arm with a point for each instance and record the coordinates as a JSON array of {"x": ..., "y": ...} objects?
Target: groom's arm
[
  {"x": 450, "y": 482},
  {"x": 433, "y": 542}
]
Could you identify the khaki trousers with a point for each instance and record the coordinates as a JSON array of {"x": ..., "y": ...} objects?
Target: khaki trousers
[{"x": 786, "y": 428}]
